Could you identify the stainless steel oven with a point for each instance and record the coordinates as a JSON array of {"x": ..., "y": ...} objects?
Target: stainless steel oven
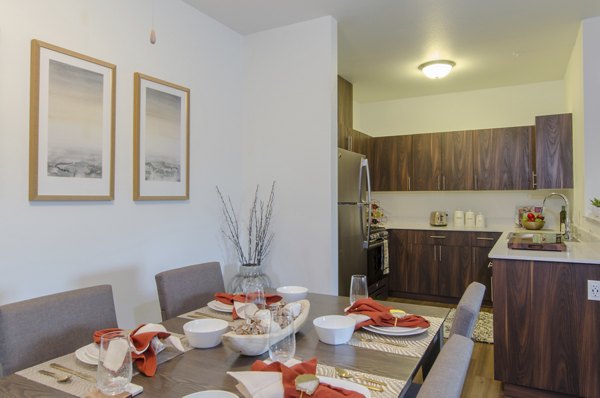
[{"x": 378, "y": 264}]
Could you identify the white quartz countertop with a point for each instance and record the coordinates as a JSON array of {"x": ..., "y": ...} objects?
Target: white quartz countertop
[
  {"x": 424, "y": 225},
  {"x": 577, "y": 252}
]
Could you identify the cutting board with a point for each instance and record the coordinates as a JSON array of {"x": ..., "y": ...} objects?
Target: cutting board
[{"x": 545, "y": 242}]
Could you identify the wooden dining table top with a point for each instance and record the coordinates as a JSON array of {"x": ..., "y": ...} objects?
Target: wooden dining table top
[{"x": 205, "y": 369}]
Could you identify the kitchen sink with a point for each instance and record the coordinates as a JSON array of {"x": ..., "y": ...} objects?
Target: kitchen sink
[{"x": 541, "y": 237}]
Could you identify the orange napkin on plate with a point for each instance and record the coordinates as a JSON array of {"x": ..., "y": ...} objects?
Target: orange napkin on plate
[
  {"x": 289, "y": 375},
  {"x": 379, "y": 315},
  {"x": 227, "y": 298},
  {"x": 146, "y": 360}
]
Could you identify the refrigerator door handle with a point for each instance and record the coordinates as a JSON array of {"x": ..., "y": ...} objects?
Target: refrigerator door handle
[{"x": 365, "y": 165}]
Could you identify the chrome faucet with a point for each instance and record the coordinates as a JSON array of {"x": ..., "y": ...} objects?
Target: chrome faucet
[{"x": 568, "y": 219}]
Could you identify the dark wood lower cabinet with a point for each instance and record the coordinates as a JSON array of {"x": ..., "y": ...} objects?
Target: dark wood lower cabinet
[
  {"x": 422, "y": 278},
  {"x": 545, "y": 329},
  {"x": 454, "y": 270}
]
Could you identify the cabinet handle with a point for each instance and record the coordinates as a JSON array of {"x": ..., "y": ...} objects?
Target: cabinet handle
[
  {"x": 476, "y": 182},
  {"x": 438, "y": 182},
  {"x": 349, "y": 142},
  {"x": 443, "y": 183},
  {"x": 533, "y": 184},
  {"x": 440, "y": 253},
  {"x": 437, "y": 236},
  {"x": 482, "y": 238},
  {"x": 409, "y": 183}
]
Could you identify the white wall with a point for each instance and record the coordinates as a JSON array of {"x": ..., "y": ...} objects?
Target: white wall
[
  {"x": 478, "y": 109},
  {"x": 290, "y": 129},
  {"x": 54, "y": 246}
]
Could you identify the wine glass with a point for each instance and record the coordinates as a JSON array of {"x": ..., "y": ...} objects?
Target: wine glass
[
  {"x": 254, "y": 300},
  {"x": 282, "y": 337},
  {"x": 358, "y": 288},
  {"x": 114, "y": 363}
]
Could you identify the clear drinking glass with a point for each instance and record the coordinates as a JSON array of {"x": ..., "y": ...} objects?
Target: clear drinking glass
[
  {"x": 358, "y": 288},
  {"x": 255, "y": 300},
  {"x": 114, "y": 363},
  {"x": 282, "y": 338}
]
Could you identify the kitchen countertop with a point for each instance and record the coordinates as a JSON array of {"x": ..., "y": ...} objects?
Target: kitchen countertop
[{"x": 577, "y": 252}]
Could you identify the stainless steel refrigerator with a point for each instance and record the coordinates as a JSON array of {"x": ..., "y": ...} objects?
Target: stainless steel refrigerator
[{"x": 354, "y": 209}]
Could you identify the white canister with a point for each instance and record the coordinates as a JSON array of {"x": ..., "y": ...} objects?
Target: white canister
[
  {"x": 480, "y": 220},
  {"x": 459, "y": 218},
  {"x": 469, "y": 219}
]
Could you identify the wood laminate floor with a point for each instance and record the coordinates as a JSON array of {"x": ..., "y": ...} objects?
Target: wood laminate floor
[{"x": 479, "y": 382}]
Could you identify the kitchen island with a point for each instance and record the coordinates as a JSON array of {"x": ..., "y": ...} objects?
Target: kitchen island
[{"x": 545, "y": 328}]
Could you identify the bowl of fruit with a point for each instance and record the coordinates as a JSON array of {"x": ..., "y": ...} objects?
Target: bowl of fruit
[{"x": 533, "y": 221}]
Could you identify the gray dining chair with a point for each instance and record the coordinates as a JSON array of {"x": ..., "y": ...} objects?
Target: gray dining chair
[
  {"x": 447, "y": 375},
  {"x": 467, "y": 311},
  {"x": 184, "y": 289},
  {"x": 39, "y": 329}
]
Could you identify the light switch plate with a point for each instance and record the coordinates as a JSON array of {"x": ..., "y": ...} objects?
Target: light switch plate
[{"x": 593, "y": 290}]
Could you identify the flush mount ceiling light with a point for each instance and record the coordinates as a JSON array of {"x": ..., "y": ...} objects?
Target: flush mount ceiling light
[{"x": 437, "y": 69}]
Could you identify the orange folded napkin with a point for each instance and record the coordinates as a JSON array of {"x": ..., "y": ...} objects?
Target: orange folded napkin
[
  {"x": 145, "y": 358},
  {"x": 289, "y": 374},
  {"x": 380, "y": 315},
  {"x": 227, "y": 298}
]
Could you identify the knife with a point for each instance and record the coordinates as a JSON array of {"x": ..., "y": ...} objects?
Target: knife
[{"x": 81, "y": 375}]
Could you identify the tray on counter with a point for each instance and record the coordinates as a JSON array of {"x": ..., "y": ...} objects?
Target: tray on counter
[{"x": 536, "y": 241}]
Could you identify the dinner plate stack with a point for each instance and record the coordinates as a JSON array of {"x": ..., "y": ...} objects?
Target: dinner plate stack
[
  {"x": 395, "y": 330},
  {"x": 219, "y": 306}
]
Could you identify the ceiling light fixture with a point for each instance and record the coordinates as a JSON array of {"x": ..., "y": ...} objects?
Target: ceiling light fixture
[{"x": 437, "y": 69}]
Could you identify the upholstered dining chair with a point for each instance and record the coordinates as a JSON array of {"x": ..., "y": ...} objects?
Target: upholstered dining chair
[
  {"x": 467, "y": 311},
  {"x": 39, "y": 329},
  {"x": 447, "y": 375},
  {"x": 184, "y": 289}
]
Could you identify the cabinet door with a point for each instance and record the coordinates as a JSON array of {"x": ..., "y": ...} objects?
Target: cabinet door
[
  {"x": 427, "y": 162},
  {"x": 390, "y": 159},
  {"x": 423, "y": 270},
  {"x": 554, "y": 151},
  {"x": 454, "y": 270},
  {"x": 359, "y": 143},
  {"x": 457, "y": 161},
  {"x": 398, "y": 252},
  {"x": 344, "y": 112},
  {"x": 482, "y": 272},
  {"x": 503, "y": 158}
]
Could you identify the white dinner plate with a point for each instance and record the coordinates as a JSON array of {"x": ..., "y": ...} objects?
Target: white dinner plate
[
  {"x": 388, "y": 333},
  {"x": 211, "y": 394},
  {"x": 218, "y": 306},
  {"x": 394, "y": 329},
  {"x": 348, "y": 385},
  {"x": 92, "y": 350},
  {"x": 81, "y": 354}
]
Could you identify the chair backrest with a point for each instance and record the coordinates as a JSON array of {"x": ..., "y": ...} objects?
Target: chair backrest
[
  {"x": 184, "y": 289},
  {"x": 467, "y": 311},
  {"x": 447, "y": 375},
  {"x": 36, "y": 330}
]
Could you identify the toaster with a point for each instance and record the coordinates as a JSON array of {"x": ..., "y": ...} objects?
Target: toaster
[{"x": 438, "y": 218}]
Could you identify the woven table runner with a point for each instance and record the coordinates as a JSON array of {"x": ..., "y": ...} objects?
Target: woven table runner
[
  {"x": 412, "y": 346},
  {"x": 78, "y": 386},
  {"x": 207, "y": 312},
  {"x": 391, "y": 389}
]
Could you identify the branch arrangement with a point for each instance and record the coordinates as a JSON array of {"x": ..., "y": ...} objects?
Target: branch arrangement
[{"x": 258, "y": 231}]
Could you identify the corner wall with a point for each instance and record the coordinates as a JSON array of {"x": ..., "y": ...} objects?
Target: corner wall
[{"x": 48, "y": 247}]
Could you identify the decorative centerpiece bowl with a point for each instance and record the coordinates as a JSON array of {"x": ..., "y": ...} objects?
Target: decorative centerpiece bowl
[
  {"x": 253, "y": 345},
  {"x": 533, "y": 225}
]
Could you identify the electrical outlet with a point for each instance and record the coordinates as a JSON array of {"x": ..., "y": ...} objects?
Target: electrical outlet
[{"x": 594, "y": 290}]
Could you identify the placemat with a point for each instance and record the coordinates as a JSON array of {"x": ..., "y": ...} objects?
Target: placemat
[
  {"x": 391, "y": 389},
  {"x": 78, "y": 386},
  {"x": 207, "y": 312},
  {"x": 415, "y": 346}
]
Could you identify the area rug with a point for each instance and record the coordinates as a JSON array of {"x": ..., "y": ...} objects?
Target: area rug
[{"x": 484, "y": 329}]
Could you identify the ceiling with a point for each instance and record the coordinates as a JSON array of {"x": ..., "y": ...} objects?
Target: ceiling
[{"x": 381, "y": 42}]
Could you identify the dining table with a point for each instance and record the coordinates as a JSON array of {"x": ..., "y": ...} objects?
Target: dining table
[{"x": 206, "y": 369}]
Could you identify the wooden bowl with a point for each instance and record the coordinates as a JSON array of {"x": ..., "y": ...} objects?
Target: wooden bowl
[
  {"x": 533, "y": 225},
  {"x": 259, "y": 344}
]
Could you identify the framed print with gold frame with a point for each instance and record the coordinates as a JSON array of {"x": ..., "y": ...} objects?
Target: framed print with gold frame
[
  {"x": 72, "y": 125},
  {"x": 161, "y": 144}
]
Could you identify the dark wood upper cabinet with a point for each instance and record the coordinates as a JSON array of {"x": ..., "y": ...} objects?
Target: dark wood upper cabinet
[
  {"x": 360, "y": 143},
  {"x": 391, "y": 163},
  {"x": 503, "y": 158},
  {"x": 427, "y": 162},
  {"x": 554, "y": 151},
  {"x": 457, "y": 161},
  {"x": 344, "y": 112}
]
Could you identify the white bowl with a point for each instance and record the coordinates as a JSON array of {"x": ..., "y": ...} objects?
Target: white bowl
[
  {"x": 205, "y": 333},
  {"x": 334, "y": 329},
  {"x": 292, "y": 293}
]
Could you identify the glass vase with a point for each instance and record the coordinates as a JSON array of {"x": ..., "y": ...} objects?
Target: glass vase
[{"x": 248, "y": 274}]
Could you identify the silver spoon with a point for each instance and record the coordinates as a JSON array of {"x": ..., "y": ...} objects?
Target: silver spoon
[{"x": 59, "y": 378}]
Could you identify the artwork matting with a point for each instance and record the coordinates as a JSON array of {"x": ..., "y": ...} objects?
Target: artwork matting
[
  {"x": 161, "y": 155},
  {"x": 72, "y": 125}
]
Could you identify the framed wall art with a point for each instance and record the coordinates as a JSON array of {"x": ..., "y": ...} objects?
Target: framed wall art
[
  {"x": 161, "y": 142},
  {"x": 72, "y": 125}
]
